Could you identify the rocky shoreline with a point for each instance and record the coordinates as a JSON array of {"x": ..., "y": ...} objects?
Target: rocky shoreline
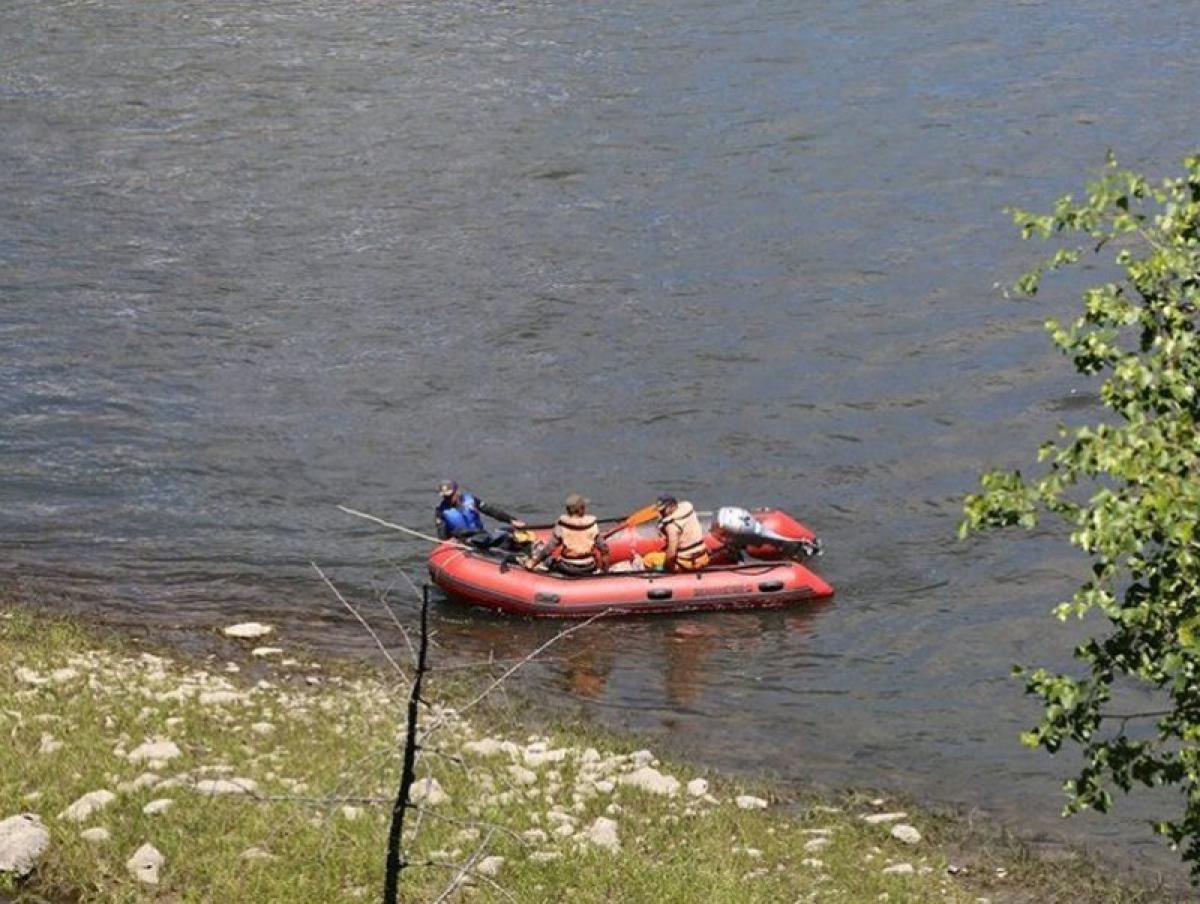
[{"x": 139, "y": 774}]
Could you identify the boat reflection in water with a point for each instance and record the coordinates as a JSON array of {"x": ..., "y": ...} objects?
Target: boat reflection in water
[{"x": 601, "y": 661}]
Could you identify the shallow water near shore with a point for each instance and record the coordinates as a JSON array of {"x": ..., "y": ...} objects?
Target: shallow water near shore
[{"x": 260, "y": 259}]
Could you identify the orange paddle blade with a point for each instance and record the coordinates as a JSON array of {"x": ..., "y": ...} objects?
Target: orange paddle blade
[{"x": 641, "y": 516}]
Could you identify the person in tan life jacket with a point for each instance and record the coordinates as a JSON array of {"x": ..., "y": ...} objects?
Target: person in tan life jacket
[
  {"x": 575, "y": 544},
  {"x": 680, "y": 527}
]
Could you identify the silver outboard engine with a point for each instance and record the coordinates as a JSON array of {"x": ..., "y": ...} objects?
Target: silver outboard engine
[{"x": 742, "y": 529}]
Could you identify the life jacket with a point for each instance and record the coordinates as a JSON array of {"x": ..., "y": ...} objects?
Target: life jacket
[
  {"x": 463, "y": 518},
  {"x": 690, "y": 551},
  {"x": 577, "y": 534}
]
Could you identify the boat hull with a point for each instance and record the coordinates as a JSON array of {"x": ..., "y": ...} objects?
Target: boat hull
[{"x": 481, "y": 578}]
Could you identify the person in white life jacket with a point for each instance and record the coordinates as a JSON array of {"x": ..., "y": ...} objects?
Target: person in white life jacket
[
  {"x": 680, "y": 527},
  {"x": 575, "y": 545},
  {"x": 459, "y": 515}
]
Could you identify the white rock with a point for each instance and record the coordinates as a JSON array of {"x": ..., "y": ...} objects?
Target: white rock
[
  {"x": 23, "y": 840},
  {"x": 161, "y": 750},
  {"x": 257, "y": 853},
  {"x": 213, "y": 698},
  {"x": 603, "y": 833},
  {"x": 428, "y": 791},
  {"x": 351, "y": 813},
  {"x": 899, "y": 869},
  {"x": 161, "y": 805},
  {"x": 749, "y": 802},
  {"x": 488, "y": 747},
  {"x": 697, "y": 787},
  {"x": 29, "y": 676},
  {"x": 248, "y": 630},
  {"x": 545, "y": 856},
  {"x": 49, "y": 744},
  {"x": 647, "y": 778},
  {"x": 262, "y": 728},
  {"x": 58, "y": 676},
  {"x": 541, "y": 757},
  {"x": 815, "y": 844},
  {"x": 489, "y": 866},
  {"x": 87, "y": 805},
  {"x": 591, "y": 755},
  {"x": 95, "y": 835},
  {"x": 147, "y": 779},
  {"x": 641, "y": 758},
  {"x": 521, "y": 775},
  {"x": 227, "y": 786},
  {"x": 145, "y": 864},
  {"x": 906, "y": 833},
  {"x": 533, "y": 836},
  {"x": 604, "y": 786},
  {"x": 813, "y": 863},
  {"x": 877, "y": 818},
  {"x": 266, "y": 651},
  {"x": 564, "y": 830}
]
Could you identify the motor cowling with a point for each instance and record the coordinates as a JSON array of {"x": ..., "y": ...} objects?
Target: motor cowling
[{"x": 740, "y": 529}]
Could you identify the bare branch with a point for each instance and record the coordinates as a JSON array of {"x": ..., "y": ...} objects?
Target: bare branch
[
  {"x": 417, "y": 591},
  {"x": 479, "y": 823},
  {"x": 458, "y": 877},
  {"x": 454, "y": 866},
  {"x": 561, "y": 635},
  {"x": 492, "y": 663},
  {"x": 321, "y": 801},
  {"x": 1125, "y": 717},
  {"x": 362, "y": 621},
  {"x": 452, "y": 757},
  {"x": 395, "y": 863},
  {"x": 400, "y": 627},
  {"x": 383, "y": 601},
  {"x": 421, "y": 809}
]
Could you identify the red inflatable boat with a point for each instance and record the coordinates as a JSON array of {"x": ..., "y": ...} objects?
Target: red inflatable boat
[{"x": 762, "y": 578}]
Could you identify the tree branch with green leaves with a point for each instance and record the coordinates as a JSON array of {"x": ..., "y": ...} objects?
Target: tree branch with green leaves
[{"x": 1127, "y": 489}]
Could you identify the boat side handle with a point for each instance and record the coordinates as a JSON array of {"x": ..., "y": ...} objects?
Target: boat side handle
[
  {"x": 770, "y": 586},
  {"x": 658, "y": 593}
]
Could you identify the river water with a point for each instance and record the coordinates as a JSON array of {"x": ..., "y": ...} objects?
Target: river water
[{"x": 258, "y": 259}]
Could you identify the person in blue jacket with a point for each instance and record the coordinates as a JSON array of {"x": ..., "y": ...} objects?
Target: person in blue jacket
[{"x": 460, "y": 514}]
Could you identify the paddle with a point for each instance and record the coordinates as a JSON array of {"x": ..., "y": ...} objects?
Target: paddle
[{"x": 641, "y": 516}]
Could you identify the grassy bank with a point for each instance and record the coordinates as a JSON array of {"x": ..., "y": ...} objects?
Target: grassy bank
[{"x": 269, "y": 778}]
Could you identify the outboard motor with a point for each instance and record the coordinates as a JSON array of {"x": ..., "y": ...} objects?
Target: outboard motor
[{"x": 740, "y": 530}]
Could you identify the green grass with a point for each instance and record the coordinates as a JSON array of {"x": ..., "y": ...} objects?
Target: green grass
[{"x": 333, "y": 742}]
